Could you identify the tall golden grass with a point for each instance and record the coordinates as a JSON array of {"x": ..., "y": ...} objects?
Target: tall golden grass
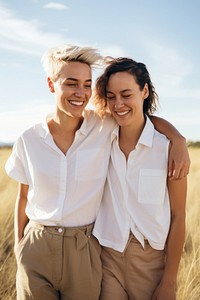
[
  {"x": 8, "y": 190},
  {"x": 189, "y": 271}
]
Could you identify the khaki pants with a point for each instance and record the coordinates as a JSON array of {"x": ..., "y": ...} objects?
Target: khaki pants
[
  {"x": 132, "y": 275},
  {"x": 58, "y": 263}
]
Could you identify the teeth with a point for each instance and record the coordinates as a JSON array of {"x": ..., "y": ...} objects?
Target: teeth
[
  {"x": 122, "y": 113},
  {"x": 77, "y": 103}
]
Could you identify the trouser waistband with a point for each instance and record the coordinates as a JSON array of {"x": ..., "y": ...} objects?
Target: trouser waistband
[{"x": 81, "y": 233}]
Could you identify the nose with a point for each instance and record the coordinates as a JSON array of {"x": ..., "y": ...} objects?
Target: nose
[
  {"x": 118, "y": 103},
  {"x": 79, "y": 92}
]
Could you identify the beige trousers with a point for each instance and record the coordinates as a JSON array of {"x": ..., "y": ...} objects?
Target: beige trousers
[
  {"x": 132, "y": 275},
  {"x": 58, "y": 263}
]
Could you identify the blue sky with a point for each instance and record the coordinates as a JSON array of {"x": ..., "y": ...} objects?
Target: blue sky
[{"x": 162, "y": 34}]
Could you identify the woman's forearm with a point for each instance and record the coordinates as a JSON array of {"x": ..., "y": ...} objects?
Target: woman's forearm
[
  {"x": 166, "y": 128},
  {"x": 174, "y": 249},
  {"x": 167, "y": 287},
  {"x": 177, "y": 195},
  {"x": 179, "y": 160},
  {"x": 20, "y": 218}
]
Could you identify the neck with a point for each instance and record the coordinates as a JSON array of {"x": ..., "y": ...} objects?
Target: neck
[
  {"x": 63, "y": 129},
  {"x": 66, "y": 124},
  {"x": 129, "y": 136}
]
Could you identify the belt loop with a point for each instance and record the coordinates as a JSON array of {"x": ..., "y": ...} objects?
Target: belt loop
[
  {"x": 129, "y": 240},
  {"x": 87, "y": 232},
  {"x": 81, "y": 239},
  {"x": 89, "y": 229}
]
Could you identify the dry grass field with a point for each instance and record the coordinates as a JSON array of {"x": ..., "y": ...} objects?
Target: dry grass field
[{"x": 189, "y": 272}]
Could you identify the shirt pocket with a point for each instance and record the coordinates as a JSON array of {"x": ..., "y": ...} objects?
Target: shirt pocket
[
  {"x": 152, "y": 186},
  {"x": 89, "y": 164}
]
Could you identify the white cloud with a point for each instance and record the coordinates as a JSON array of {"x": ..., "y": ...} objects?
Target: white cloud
[
  {"x": 9, "y": 45},
  {"x": 168, "y": 64},
  {"x": 113, "y": 50},
  {"x": 10, "y": 65},
  {"x": 25, "y": 36},
  {"x": 170, "y": 72},
  {"x": 184, "y": 93},
  {"x": 55, "y": 5}
]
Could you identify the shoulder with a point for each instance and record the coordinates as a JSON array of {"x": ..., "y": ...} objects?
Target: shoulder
[
  {"x": 161, "y": 143},
  {"x": 94, "y": 118},
  {"x": 31, "y": 133},
  {"x": 160, "y": 137},
  {"x": 157, "y": 136},
  {"x": 35, "y": 129}
]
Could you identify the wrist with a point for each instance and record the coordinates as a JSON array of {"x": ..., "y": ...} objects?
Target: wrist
[
  {"x": 179, "y": 139},
  {"x": 169, "y": 280}
]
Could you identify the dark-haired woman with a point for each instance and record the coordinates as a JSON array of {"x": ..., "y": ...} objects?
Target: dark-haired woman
[{"x": 141, "y": 221}]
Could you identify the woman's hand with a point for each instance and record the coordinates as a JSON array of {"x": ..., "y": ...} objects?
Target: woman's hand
[
  {"x": 165, "y": 292},
  {"x": 179, "y": 160}
]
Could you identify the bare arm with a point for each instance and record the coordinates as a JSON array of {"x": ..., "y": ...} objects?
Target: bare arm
[
  {"x": 179, "y": 161},
  {"x": 21, "y": 218},
  {"x": 177, "y": 194}
]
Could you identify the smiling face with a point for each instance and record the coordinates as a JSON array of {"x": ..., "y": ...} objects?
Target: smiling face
[
  {"x": 125, "y": 99},
  {"x": 72, "y": 89}
]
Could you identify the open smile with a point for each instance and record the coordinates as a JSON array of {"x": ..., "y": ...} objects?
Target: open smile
[
  {"x": 122, "y": 113},
  {"x": 76, "y": 103}
]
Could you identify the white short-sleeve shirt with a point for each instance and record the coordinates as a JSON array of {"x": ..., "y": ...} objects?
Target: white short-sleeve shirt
[
  {"x": 136, "y": 195},
  {"x": 64, "y": 189}
]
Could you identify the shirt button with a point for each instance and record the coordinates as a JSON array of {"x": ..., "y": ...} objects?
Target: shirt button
[{"x": 60, "y": 230}]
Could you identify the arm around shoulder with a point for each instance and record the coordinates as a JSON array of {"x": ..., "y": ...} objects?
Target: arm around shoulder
[{"x": 179, "y": 160}]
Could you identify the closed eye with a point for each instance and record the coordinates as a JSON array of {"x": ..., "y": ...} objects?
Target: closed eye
[
  {"x": 127, "y": 96},
  {"x": 110, "y": 97},
  {"x": 71, "y": 84}
]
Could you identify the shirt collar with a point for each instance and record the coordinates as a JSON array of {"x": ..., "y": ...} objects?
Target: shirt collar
[
  {"x": 45, "y": 133},
  {"x": 115, "y": 134},
  {"x": 44, "y": 129},
  {"x": 146, "y": 137},
  {"x": 84, "y": 126}
]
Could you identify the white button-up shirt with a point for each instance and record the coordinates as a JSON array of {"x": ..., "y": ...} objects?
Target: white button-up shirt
[
  {"x": 63, "y": 189},
  {"x": 136, "y": 195}
]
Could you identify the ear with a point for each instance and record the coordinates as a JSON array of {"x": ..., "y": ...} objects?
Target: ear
[
  {"x": 50, "y": 85},
  {"x": 146, "y": 91}
]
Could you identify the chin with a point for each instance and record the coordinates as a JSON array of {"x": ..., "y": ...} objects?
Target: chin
[
  {"x": 121, "y": 122},
  {"x": 73, "y": 115}
]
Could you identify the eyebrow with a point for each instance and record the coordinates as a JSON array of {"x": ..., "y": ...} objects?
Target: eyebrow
[
  {"x": 75, "y": 79},
  {"x": 126, "y": 90}
]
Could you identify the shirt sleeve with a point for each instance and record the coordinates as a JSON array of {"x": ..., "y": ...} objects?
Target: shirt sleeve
[{"x": 16, "y": 164}]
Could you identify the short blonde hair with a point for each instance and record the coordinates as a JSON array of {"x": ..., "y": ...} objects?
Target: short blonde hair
[{"x": 54, "y": 59}]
